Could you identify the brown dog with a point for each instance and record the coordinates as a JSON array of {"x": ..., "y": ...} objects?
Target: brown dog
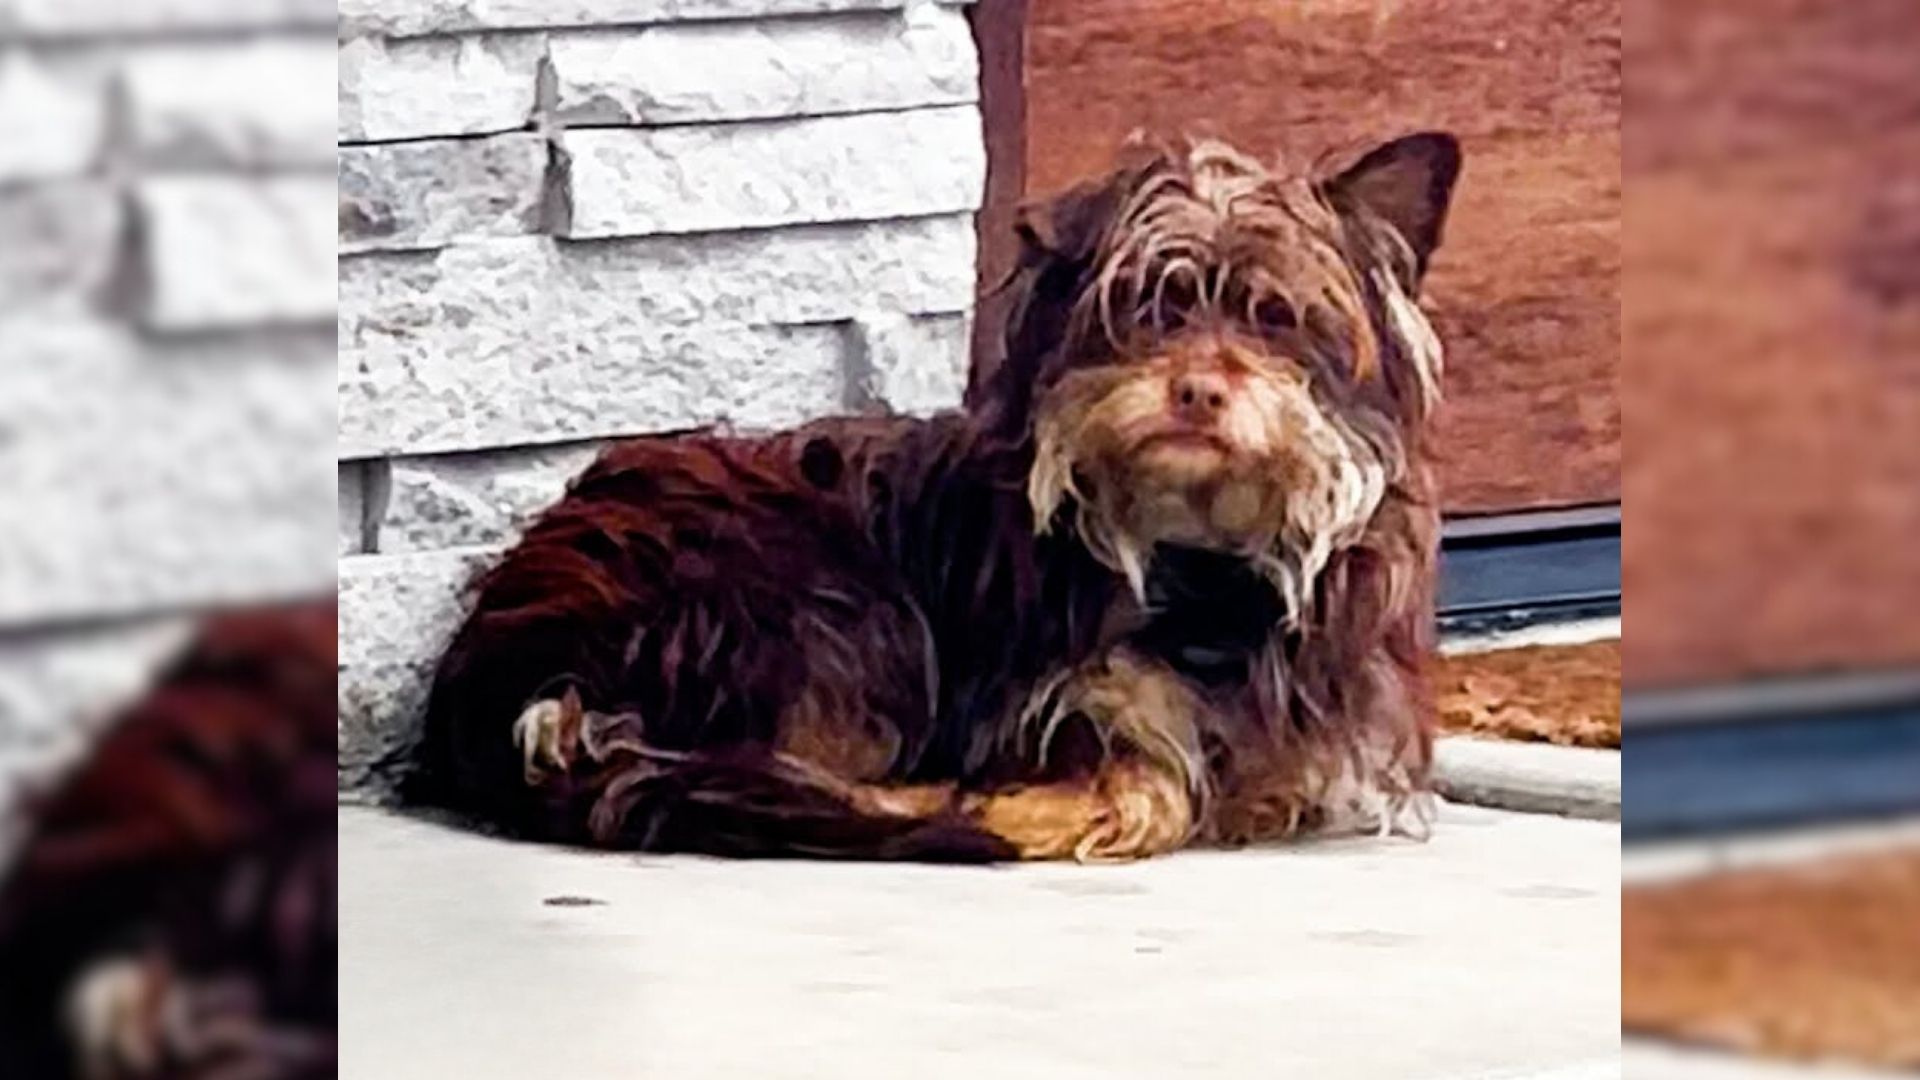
[{"x": 1168, "y": 578}]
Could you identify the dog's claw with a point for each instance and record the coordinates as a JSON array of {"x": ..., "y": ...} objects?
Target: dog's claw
[
  {"x": 547, "y": 733},
  {"x": 114, "y": 1016}
]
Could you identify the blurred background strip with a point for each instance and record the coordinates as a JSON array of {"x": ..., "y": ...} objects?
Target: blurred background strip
[
  {"x": 166, "y": 340},
  {"x": 1771, "y": 374},
  {"x": 167, "y": 417}
]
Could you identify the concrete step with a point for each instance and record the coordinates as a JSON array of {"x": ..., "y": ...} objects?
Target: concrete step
[
  {"x": 1490, "y": 952},
  {"x": 1536, "y": 777}
]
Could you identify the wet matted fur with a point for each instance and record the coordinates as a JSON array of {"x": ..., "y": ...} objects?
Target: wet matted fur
[{"x": 1166, "y": 579}]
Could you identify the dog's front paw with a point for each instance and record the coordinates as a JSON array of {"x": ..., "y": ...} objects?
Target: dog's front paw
[{"x": 1143, "y": 811}]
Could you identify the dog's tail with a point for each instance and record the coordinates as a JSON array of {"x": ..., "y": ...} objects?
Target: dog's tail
[{"x": 754, "y": 803}]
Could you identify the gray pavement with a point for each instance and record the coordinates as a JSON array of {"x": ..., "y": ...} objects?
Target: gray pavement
[{"x": 1489, "y": 953}]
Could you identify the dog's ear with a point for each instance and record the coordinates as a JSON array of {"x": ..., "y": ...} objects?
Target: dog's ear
[
  {"x": 1069, "y": 225},
  {"x": 1060, "y": 240},
  {"x": 1406, "y": 183}
]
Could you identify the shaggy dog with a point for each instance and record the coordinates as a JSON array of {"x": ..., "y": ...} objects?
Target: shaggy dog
[
  {"x": 1166, "y": 580},
  {"x": 171, "y": 916}
]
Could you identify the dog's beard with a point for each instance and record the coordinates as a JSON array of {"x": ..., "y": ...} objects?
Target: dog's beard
[{"x": 1282, "y": 483}]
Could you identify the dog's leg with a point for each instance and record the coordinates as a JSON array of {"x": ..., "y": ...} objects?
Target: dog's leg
[
  {"x": 1130, "y": 809},
  {"x": 1144, "y": 796},
  {"x": 1368, "y": 772}
]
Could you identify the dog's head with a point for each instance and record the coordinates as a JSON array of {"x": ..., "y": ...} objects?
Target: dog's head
[{"x": 1209, "y": 353}]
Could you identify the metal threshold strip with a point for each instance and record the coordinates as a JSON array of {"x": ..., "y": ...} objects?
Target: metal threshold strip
[
  {"x": 1771, "y": 754},
  {"x": 1507, "y": 571}
]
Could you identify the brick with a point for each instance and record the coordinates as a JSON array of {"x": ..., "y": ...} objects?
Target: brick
[
  {"x": 820, "y": 273},
  {"x": 223, "y": 253},
  {"x": 52, "y": 117},
  {"x": 263, "y": 104},
  {"x": 426, "y": 194},
  {"x": 633, "y": 182},
  {"x": 815, "y": 67},
  {"x": 397, "y": 613},
  {"x": 92, "y": 18},
  {"x": 436, "y": 349},
  {"x": 464, "y": 500},
  {"x": 907, "y": 365},
  {"x": 647, "y": 379},
  {"x": 414, "y": 18},
  {"x": 142, "y": 476},
  {"x": 62, "y": 245},
  {"x": 410, "y": 89}
]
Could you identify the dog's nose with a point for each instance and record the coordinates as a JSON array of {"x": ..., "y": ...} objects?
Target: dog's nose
[{"x": 1200, "y": 396}]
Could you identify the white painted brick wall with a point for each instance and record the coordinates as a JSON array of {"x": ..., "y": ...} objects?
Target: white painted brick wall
[
  {"x": 235, "y": 106},
  {"x": 413, "y": 18},
  {"x": 564, "y": 222},
  {"x": 797, "y": 67},
  {"x": 906, "y": 364},
  {"x": 53, "y": 116},
  {"x": 62, "y": 244},
  {"x": 533, "y": 340},
  {"x": 474, "y": 500},
  {"x": 64, "y": 20},
  {"x": 396, "y": 614},
  {"x": 166, "y": 367},
  {"x": 420, "y": 88},
  {"x": 204, "y": 472},
  {"x": 424, "y": 195},
  {"x": 745, "y": 376},
  {"x": 638, "y": 181},
  {"x": 496, "y": 295},
  {"x": 230, "y": 252}
]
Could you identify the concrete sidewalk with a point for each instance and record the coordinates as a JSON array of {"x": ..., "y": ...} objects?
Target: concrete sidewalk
[{"x": 1489, "y": 953}]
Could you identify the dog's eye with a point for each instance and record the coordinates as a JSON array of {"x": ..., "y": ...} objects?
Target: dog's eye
[
  {"x": 1175, "y": 303},
  {"x": 1272, "y": 315}
]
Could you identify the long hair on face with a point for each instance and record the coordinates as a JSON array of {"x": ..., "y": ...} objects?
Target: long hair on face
[{"x": 1135, "y": 251}]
